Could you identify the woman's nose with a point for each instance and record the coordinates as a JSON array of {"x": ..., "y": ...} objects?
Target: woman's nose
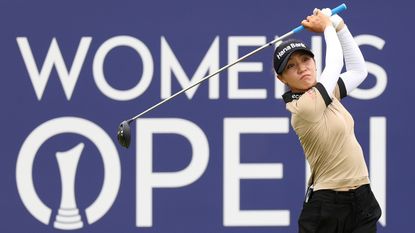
[{"x": 301, "y": 68}]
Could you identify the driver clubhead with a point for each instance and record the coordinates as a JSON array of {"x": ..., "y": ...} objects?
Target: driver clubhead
[{"x": 124, "y": 134}]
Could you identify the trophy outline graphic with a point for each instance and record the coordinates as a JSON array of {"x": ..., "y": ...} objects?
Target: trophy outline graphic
[
  {"x": 24, "y": 172},
  {"x": 68, "y": 217}
]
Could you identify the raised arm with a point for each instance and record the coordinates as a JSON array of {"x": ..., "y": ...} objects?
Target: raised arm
[
  {"x": 334, "y": 52},
  {"x": 356, "y": 70}
]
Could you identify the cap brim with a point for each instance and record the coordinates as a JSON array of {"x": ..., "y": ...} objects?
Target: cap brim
[{"x": 285, "y": 61}]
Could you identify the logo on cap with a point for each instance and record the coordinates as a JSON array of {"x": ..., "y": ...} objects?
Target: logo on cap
[
  {"x": 283, "y": 52},
  {"x": 288, "y": 48}
]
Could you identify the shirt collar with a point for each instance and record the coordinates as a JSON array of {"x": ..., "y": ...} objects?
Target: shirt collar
[{"x": 290, "y": 96}]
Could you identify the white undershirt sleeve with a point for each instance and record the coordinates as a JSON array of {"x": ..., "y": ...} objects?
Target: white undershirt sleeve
[
  {"x": 334, "y": 61},
  {"x": 356, "y": 70}
]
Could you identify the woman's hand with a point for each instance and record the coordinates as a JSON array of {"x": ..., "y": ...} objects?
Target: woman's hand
[
  {"x": 317, "y": 22},
  {"x": 336, "y": 20}
]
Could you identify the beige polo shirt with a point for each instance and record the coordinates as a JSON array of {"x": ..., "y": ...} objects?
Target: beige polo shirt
[{"x": 326, "y": 132}]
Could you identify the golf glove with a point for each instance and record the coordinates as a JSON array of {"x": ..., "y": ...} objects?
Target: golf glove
[{"x": 335, "y": 19}]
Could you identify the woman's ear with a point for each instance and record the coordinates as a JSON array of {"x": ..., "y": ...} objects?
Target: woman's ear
[{"x": 281, "y": 79}]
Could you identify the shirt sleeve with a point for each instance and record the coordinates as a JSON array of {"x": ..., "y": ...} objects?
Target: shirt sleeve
[
  {"x": 356, "y": 70},
  {"x": 340, "y": 91},
  {"x": 334, "y": 61}
]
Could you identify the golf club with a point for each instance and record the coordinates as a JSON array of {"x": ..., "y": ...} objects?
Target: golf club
[{"x": 124, "y": 132}]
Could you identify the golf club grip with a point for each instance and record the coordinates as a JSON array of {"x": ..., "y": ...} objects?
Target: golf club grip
[{"x": 334, "y": 11}]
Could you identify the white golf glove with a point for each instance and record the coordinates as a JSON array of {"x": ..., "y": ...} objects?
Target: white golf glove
[{"x": 336, "y": 20}]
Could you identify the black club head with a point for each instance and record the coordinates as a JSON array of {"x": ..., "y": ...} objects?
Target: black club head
[{"x": 124, "y": 134}]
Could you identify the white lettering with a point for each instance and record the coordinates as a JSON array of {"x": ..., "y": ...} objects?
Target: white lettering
[
  {"x": 378, "y": 72},
  {"x": 98, "y": 68},
  {"x": 53, "y": 58},
  {"x": 234, "y": 171},
  {"x": 234, "y": 92},
  {"x": 147, "y": 180},
  {"x": 170, "y": 64},
  {"x": 378, "y": 162}
]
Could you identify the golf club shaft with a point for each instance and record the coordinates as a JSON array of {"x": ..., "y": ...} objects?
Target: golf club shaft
[
  {"x": 213, "y": 74},
  {"x": 296, "y": 30}
]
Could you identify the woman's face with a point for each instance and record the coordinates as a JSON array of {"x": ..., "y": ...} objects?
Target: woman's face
[{"x": 300, "y": 72}]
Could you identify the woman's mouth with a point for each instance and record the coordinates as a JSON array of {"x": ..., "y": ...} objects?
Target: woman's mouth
[{"x": 305, "y": 76}]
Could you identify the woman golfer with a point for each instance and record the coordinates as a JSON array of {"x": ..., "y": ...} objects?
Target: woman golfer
[{"x": 339, "y": 198}]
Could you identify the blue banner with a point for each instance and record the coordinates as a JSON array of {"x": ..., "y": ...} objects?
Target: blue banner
[{"x": 221, "y": 157}]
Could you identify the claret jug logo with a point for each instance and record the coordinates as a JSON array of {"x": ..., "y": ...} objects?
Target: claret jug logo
[{"x": 68, "y": 217}]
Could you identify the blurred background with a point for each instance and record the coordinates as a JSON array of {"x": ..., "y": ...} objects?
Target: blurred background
[{"x": 219, "y": 158}]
